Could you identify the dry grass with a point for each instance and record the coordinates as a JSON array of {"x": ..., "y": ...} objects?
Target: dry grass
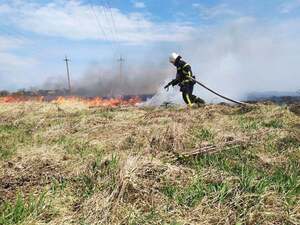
[{"x": 213, "y": 165}]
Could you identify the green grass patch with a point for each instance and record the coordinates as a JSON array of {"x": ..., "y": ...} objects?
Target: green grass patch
[
  {"x": 58, "y": 185},
  {"x": 151, "y": 217},
  {"x": 274, "y": 123},
  {"x": 76, "y": 146},
  {"x": 7, "y": 129},
  {"x": 286, "y": 179},
  {"x": 87, "y": 185},
  {"x": 227, "y": 160},
  {"x": 6, "y": 152},
  {"x": 191, "y": 195},
  {"x": 106, "y": 113},
  {"x": 276, "y": 145},
  {"x": 251, "y": 181},
  {"x": 11, "y": 137},
  {"x": 252, "y": 177},
  {"x": 21, "y": 209},
  {"x": 286, "y": 143},
  {"x": 269, "y": 143},
  {"x": 248, "y": 123},
  {"x": 88, "y": 182},
  {"x": 198, "y": 135},
  {"x": 204, "y": 134}
]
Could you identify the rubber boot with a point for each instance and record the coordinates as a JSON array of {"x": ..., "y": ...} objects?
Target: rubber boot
[{"x": 199, "y": 101}]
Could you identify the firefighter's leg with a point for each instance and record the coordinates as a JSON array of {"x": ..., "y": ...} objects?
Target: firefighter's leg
[
  {"x": 189, "y": 99},
  {"x": 194, "y": 98},
  {"x": 190, "y": 95},
  {"x": 199, "y": 101},
  {"x": 186, "y": 98},
  {"x": 187, "y": 90}
]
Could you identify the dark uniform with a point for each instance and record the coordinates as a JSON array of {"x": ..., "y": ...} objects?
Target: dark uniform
[{"x": 184, "y": 73}]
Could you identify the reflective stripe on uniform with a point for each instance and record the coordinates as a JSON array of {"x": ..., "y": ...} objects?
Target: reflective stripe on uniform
[
  {"x": 185, "y": 81},
  {"x": 180, "y": 68},
  {"x": 189, "y": 100},
  {"x": 186, "y": 72},
  {"x": 185, "y": 65}
]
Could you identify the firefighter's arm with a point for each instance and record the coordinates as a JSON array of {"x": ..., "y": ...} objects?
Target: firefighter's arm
[{"x": 173, "y": 83}]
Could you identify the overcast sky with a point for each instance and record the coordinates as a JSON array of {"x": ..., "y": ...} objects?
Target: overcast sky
[{"x": 36, "y": 35}]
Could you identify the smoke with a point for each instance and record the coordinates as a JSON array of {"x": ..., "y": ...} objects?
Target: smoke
[
  {"x": 141, "y": 79},
  {"x": 97, "y": 82},
  {"x": 243, "y": 57},
  {"x": 235, "y": 59}
]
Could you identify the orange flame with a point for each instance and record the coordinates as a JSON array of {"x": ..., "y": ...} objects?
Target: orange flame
[
  {"x": 20, "y": 99},
  {"x": 91, "y": 102}
]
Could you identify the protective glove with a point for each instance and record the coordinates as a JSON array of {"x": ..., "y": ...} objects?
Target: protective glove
[{"x": 168, "y": 85}]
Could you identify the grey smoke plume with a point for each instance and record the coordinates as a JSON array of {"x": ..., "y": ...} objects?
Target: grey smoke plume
[
  {"x": 234, "y": 59},
  {"x": 135, "y": 80},
  {"x": 139, "y": 79},
  {"x": 241, "y": 57}
]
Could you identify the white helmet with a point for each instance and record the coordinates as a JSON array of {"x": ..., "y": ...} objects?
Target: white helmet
[{"x": 173, "y": 57}]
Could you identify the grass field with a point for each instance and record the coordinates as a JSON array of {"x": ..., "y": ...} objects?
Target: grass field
[{"x": 70, "y": 164}]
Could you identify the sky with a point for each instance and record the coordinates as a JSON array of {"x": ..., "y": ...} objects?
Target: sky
[{"x": 227, "y": 38}]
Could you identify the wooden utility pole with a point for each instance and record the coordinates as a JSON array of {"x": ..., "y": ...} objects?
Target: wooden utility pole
[
  {"x": 121, "y": 60},
  {"x": 68, "y": 73}
]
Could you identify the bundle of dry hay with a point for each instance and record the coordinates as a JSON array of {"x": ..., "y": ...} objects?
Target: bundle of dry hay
[{"x": 138, "y": 186}]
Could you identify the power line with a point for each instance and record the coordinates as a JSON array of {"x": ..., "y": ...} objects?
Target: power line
[
  {"x": 110, "y": 21},
  {"x": 117, "y": 30},
  {"x": 105, "y": 13},
  {"x": 98, "y": 22},
  {"x": 95, "y": 11},
  {"x": 112, "y": 18}
]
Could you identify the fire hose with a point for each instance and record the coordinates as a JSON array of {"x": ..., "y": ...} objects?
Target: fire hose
[{"x": 222, "y": 96}]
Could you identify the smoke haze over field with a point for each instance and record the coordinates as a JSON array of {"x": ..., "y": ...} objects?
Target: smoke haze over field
[
  {"x": 234, "y": 47},
  {"x": 238, "y": 58},
  {"x": 241, "y": 57},
  {"x": 136, "y": 80}
]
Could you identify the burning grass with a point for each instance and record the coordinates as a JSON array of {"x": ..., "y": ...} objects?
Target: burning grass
[
  {"x": 70, "y": 163},
  {"x": 91, "y": 102}
]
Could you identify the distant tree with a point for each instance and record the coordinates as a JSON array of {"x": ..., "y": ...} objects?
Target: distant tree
[
  {"x": 4, "y": 93},
  {"x": 20, "y": 92}
]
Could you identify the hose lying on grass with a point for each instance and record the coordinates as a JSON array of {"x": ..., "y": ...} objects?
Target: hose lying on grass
[{"x": 222, "y": 96}]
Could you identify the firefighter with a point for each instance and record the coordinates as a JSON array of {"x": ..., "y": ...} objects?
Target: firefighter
[{"x": 183, "y": 79}]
